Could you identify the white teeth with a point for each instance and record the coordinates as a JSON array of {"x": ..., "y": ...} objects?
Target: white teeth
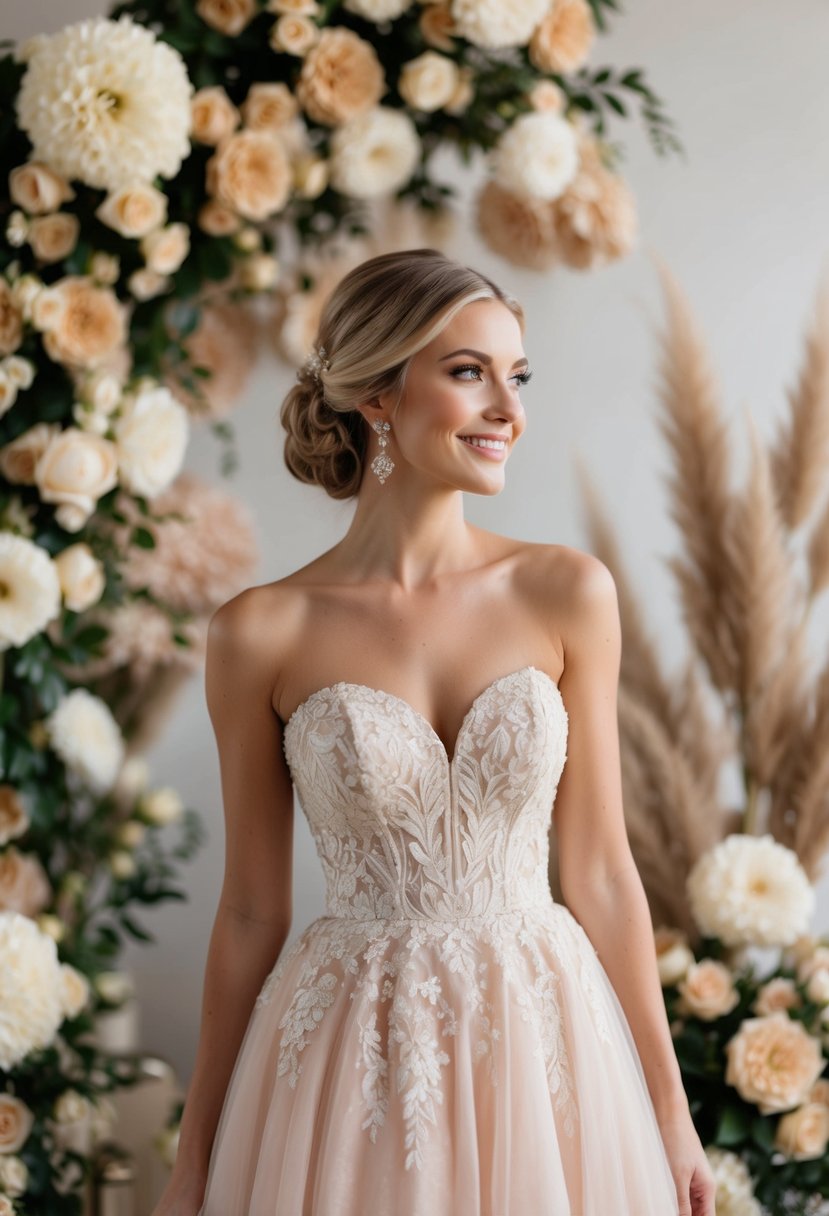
[{"x": 497, "y": 444}]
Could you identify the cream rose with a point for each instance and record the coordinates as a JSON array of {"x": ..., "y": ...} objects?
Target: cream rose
[
  {"x": 48, "y": 306},
  {"x": 151, "y": 439},
  {"x": 268, "y": 107},
  {"x": 803, "y": 1134},
  {"x": 259, "y": 272},
  {"x": 294, "y": 35},
  {"x": 14, "y": 820},
  {"x": 817, "y": 986},
  {"x": 86, "y": 736},
  {"x": 114, "y": 987},
  {"x": 818, "y": 960},
  {"x": 547, "y": 96},
  {"x": 673, "y": 955},
  {"x": 121, "y": 863},
  {"x": 19, "y": 458},
  {"x": 16, "y": 1122},
  {"x": 166, "y": 248},
  {"x": 464, "y": 92},
  {"x": 146, "y": 284},
  {"x": 308, "y": 7},
  {"x": 778, "y": 994},
  {"x": 214, "y": 116},
  {"x": 14, "y": 1175},
  {"x": 77, "y": 468},
  {"x": 251, "y": 174},
  {"x": 562, "y": 40},
  {"x": 161, "y": 806},
  {"x": 773, "y": 1062},
  {"x": 341, "y": 77},
  {"x": 105, "y": 268},
  {"x": 82, "y": 577},
  {"x": 820, "y": 1091},
  {"x": 11, "y": 320},
  {"x": 437, "y": 27},
  {"x": 227, "y": 16},
  {"x": 53, "y": 237},
  {"x": 310, "y": 176},
  {"x": 90, "y": 326},
  {"x": 24, "y": 884},
  {"x": 216, "y": 219},
  {"x": 708, "y": 991},
  {"x": 38, "y": 189},
  {"x": 428, "y": 82},
  {"x": 133, "y": 211},
  {"x": 75, "y": 990},
  {"x": 72, "y": 517}
]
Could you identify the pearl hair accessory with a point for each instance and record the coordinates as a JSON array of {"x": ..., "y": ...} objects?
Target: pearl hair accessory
[
  {"x": 313, "y": 364},
  {"x": 382, "y": 464}
]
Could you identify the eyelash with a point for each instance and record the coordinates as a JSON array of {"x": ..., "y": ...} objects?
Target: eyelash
[{"x": 521, "y": 377}]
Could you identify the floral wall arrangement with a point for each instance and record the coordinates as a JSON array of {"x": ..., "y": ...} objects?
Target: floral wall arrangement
[
  {"x": 731, "y": 886},
  {"x": 174, "y": 173}
]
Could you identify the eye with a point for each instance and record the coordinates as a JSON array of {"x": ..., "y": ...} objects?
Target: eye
[{"x": 521, "y": 377}]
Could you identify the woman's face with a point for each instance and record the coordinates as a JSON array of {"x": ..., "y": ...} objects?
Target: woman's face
[{"x": 465, "y": 383}]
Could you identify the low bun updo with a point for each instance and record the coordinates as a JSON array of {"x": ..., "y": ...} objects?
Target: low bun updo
[{"x": 375, "y": 320}]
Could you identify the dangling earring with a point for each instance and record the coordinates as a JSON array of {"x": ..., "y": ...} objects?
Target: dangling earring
[{"x": 382, "y": 464}]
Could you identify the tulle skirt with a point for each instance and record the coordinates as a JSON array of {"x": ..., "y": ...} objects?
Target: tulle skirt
[{"x": 482, "y": 1068}]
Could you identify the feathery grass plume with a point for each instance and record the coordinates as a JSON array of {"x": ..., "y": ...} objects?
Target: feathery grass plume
[
  {"x": 641, "y": 670},
  {"x": 817, "y": 554},
  {"x": 771, "y": 723},
  {"x": 802, "y": 445},
  {"x": 691, "y": 421},
  {"x": 704, "y": 742},
  {"x": 762, "y": 587}
]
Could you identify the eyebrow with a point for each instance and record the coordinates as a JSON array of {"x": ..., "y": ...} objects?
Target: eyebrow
[{"x": 479, "y": 354}]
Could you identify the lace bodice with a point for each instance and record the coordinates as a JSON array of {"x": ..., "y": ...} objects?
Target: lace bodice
[{"x": 404, "y": 831}]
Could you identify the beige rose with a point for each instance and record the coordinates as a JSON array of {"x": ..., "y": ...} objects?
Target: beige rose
[
  {"x": 104, "y": 268},
  {"x": 81, "y": 575},
  {"x": 428, "y": 82},
  {"x": 24, "y": 884},
  {"x": 673, "y": 955},
  {"x": 595, "y": 218},
  {"x": 778, "y": 994},
  {"x": 53, "y": 237},
  {"x": 308, "y": 7},
  {"x": 38, "y": 189},
  {"x": 817, "y": 960},
  {"x": 8, "y": 391},
  {"x": 11, "y": 320},
  {"x": 161, "y": 806},
  {"x": 259, "y": 272},
  {"x": 17, "y": 229},
  {"x": 216, "y": 219},
  {"x": 90, "y": 327},
  {"x": 48, "y": 307},
  {"x": 819, "y": 1091},
  {"x": 251, "y": 173},
  {"x": 151, "y": 438},
  {"x": 547, "y": 96},
  {"x": 72, "y": 517},
  {"x": 294, "y": 35},
  {"x": 562, "y": 40},
  {"x": 77, "y": 468},
  {"x": 13, "y": 818},
  {"x": 437, "y": 25},
  {"x": 213, "y": 115},
  {"x": 310, "y": 176},
  {"x": 773, "y": 1062},
  {"x": 75, "y": 990},
  {"x": 51, "y": 925},
  {"x": 166, "y": 248},
  {"x": 708, "y": 991},
  {"x": 16, "y": 1122},
  {"x": 803, "y": 1134},
  {"x": 268, "y": 107},
  {"x": 817, "y": 986},
  {"x": 24, "y": 292},
  {"x": 463, "y": 94},
  {"x": 227, "y": 16},
  {"x": 341, "y": 77},
  {"x": 19, "y": 458},
  {"x": 133, "y": 211},
  {"x": 146, "y": 284}
]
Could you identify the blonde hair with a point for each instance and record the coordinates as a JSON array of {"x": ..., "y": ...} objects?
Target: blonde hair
[{"x": 375, "y": 320}]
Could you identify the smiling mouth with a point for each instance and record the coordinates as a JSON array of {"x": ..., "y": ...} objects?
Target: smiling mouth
[{"x": 493, "y": 445}]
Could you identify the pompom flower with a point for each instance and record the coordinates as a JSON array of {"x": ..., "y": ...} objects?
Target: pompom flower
[
  {"x": 107, "y": 103},
  {"x": 32, "y": 1006},
  {"x": 537, "y": 156},
  {"x": 751, "y": 890},
  {"x": 31, "y": 590}
]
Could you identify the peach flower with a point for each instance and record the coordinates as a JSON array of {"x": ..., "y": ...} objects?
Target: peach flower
[
  {"x": 778, "y": 994},
  {"x": 546, "y": 95},
  {"x": 77, "y": 468},
  {"x": 820, "y": 1091},
  {"x": 562, "y": 40},
  {"x": 16, "y": 1121},
  {"x": 213, "y": 115},
  {"x": 166, "y": 248},
  {"x": 19, "y": 457},
  {"x": 146, "y": 284},
  {"x": 520, "y": 229},
  {"x": 268, "y": 107},
  {"x": 53, "y": 237},
  {"x": 673, "y": 954},
  {"x": 464, "y": 92},
  {"x": 803, "y": 1133},
  {"x": 437, "y": 26},
  {"x": 708, "y": 991},
  {"x": 133, "y": 211},
  {"x": 82, "y": 577},
  {"x": 24, "y": 884},
  {"x": 294, "y": 35},
  {"x": 308, "y": 7},
  {"x": 595, "y": 218},
  {"x": 13, "y": 818},
  {"x": 429, "y": 81},
  {"x": 227, "y": 16},
  {"x": 341, "y": 77},
  {"x": 38, "y": 189},
  {"x": 773, "y": 1062},
  {"x": 251, "y": 173},
  {"x": 216, "y": 219},
  {"x": 11, "y": 320},
  {"x": 816, "y": 960},
  {"x": 90, "y": 325}
]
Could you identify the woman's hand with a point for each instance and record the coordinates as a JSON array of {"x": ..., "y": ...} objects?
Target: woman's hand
[
  {"x": 693, "y": 1176},
  {"x": 183, "y": 1196}
]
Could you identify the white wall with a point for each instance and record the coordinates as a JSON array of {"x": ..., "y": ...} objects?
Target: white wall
[{"x": 744, "y": 224}]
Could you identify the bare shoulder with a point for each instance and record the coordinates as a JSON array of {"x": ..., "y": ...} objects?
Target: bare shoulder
[
  {"x": 250, "y": 633},
  {"x": 573, "y": 591}
]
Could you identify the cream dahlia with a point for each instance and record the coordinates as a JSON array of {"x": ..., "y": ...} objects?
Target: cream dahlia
[
  {"x": 31, "y": 590},
  {"x": 87, "y": 738},
  {"x": 32, "y": 1009},
  {"x": 151, "y": 437},
  {"x": 537, "y": 156},
  {"x": 106, "y": 102},
  {"x": 374, "y": 154}
]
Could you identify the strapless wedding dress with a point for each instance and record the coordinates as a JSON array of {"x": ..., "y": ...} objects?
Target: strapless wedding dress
[{"x": 444, "y": 1041}]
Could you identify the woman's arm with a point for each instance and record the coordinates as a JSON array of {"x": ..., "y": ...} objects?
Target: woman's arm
[
  {"x": 599, "y": 880},
  {"x": 255, "y": 905}
]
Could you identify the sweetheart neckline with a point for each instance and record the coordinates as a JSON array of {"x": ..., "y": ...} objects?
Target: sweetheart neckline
[{"x": 391, "y": 696}]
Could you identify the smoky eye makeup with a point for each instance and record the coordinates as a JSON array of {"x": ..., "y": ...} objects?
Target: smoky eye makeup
[{"x": 522, "y": 377}]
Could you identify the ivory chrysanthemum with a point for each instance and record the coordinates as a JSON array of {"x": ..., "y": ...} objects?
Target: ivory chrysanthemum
[
  {"x": 107, "y": 103},
  {"x": 32, "y": 1006},
  {"x": 31, "y": 590},
  {"x": 751, "y": 890}
]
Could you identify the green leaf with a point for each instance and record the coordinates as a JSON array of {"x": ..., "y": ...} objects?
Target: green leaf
[{"x": 143, "y": 537}]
